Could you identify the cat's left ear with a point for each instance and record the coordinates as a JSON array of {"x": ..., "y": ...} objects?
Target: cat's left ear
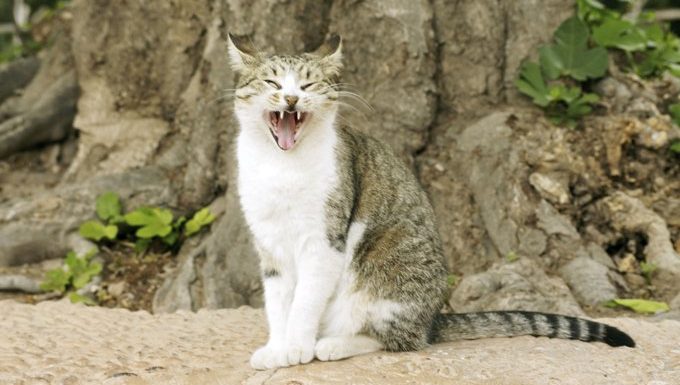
[
  {"x": 242, "y": 53},
  {"x": 330, "y": 52}
]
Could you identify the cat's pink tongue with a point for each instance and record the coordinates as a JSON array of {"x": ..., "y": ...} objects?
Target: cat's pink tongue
[{"x": 285, "y": 131}]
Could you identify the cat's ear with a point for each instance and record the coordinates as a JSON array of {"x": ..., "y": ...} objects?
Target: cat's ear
[
  {"x": 242, "y": 53},
  {"x": 330, "y": 52}
]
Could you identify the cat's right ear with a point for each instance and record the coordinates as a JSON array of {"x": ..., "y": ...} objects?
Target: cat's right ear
[{"x": 242, "y": 53}]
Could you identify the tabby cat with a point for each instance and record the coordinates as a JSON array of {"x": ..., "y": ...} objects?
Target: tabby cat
[{"x": 350, "y": 255}]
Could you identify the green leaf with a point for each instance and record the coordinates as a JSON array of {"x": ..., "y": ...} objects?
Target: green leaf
[
  {"x": 74, "y": 263},
  {"x": 620, "y": 34},
  {"x": 203, "y": 217},
  {"x": 451, "y": 279},
  {"x": 142, "y": 244},
  {"x": 154, "y": 222},
  {"x": 171, "y": 238},
  {"x": 570, "y": 55},
  {"x": 77, "y": 298},
  {"x": 56, "y": 280},
  {"x": 85, "y": 275},
  {"x": 675, "y": 147},
  {"x": 674, "y": 111},
  {"x": 96, "y": 230},
  {"x": 511, "y": 257},
  {"x": 642, "y": 306},
  {"x": 108, "y": 206}
]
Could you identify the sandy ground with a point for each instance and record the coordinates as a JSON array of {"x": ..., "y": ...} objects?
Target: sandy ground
[{"x": 61, "y": 343}]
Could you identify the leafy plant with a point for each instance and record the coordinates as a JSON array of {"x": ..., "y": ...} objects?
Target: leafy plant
[
  {"x": 579, "y": 54},
  {"x": 108, "y": 209},
  {"x": 570, "y": 55},
  {"x": 146, "y": 223},
  {"x": 675, "y": 147},
  {"x": 649, "y": 46},
  {"x": 452, "y": 279},
  {"x": 77, "y": 272},
  {"x": 511, "y": 257},
  {"x": 152, "y": 222},
  {"x": 642, "y": 306},
  {"x": 565, "y": 62},
  {"x": 674, "y": 111},
  {"x": 202, "y": 218},
  {"x": 96, "y": 230},
  {"x": 647, "y": 270},
  {"x": 143, "y": 226}
]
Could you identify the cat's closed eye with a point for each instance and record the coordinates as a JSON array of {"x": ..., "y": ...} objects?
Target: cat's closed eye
[
  {"x": 273, "y": 84},
  {"x": 305, "y": 86}
]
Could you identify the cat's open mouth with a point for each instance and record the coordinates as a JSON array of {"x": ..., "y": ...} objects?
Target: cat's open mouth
[{"x": 285, "y": 127}]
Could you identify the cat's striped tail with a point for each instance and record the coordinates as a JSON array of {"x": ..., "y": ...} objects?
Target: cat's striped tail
[{"x": 450, "y": 327}]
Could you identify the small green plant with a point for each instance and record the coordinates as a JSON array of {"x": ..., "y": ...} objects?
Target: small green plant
[
  {"x": 77, "y": 272},
  {"x": 675, "y": 147},
  {"x": 674, "y": 111},
  {"x": 452, "y": 279},
  {"x": 650, "y": 48},
  {"x": 143, "y": 225},
  {"x": 553, "y": 82},
  {"x": 579, "y": 54},
  {"x": 203, "y": 217},
  {"x": 511, "y": 257},
  {"x": 647, "y": 270}
]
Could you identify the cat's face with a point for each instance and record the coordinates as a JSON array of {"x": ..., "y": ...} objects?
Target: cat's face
[{"x": 288, "y": 94}]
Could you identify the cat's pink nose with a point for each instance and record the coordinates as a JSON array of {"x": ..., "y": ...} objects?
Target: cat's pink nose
[{"x": 291, "y": 100}]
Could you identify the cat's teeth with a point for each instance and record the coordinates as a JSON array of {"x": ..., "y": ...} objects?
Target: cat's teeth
[
  {"x": 298, "y": 115},
  {"x": 280, "y": 114}
]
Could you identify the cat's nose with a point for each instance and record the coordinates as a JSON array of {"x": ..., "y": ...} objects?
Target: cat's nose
[{"x": 291, "y": 100}]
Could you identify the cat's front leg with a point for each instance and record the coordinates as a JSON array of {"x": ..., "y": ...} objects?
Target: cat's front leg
[
  {"x": 279, "y": 286},
  {"x": 318, "y": 269}
]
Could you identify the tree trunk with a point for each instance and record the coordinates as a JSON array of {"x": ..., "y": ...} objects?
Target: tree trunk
[{"x": 155, "y": 124}]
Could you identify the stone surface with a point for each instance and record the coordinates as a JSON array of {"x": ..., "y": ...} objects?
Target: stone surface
[
  {"x": 61, "y": 343},
  {"x": 588, "y": 281},
  {"x": 518, "y": 285}
]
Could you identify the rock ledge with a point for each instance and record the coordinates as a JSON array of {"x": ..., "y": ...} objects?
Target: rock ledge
[{"x": 61, "y": 343}]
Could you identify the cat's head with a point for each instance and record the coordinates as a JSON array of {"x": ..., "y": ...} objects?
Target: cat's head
[{"x": 285, "y": 95}]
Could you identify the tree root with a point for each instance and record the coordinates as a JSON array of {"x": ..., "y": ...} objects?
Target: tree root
[
  {"x": 19, "y": 283},
  {"x": 630, "y": 214},
  {"x": 48, "y": 120},
  {"x": 16, "y": 75}
]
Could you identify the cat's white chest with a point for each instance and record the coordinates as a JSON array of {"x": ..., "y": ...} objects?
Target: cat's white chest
[{"x": 283, "y": 195}]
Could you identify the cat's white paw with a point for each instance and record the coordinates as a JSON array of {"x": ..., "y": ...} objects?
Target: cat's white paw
[
  {"x": 300, "y": 353},
  {"x": 268, "y": 357},
  {"x": 331, "y": 349}
]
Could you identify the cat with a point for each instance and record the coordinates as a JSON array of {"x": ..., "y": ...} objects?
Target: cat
[{"x": 350, "y": 256}]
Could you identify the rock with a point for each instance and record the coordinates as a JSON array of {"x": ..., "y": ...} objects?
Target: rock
[
  {"x": 588, "y": 281},
  {"x": 550, "y": 188},
  {"x": 552, "y": 222},
  {"x": 20, "y": 283},
  {"x": 212, "y": 273},
  {"x": 597, "y": 253},
  {"x": 520, "y": 285},
  {"x": 630, "y": 214},
  {"x": 16, "y": 74},
  {"x": 116, "y": 289},
  {"x": 214, "y": 346}
]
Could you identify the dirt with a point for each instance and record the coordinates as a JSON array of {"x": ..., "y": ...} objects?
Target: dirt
[{"x": 130, "y": 279}]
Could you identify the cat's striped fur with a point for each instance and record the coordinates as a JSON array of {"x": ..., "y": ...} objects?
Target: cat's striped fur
[{"x": 350, "y": 255}]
